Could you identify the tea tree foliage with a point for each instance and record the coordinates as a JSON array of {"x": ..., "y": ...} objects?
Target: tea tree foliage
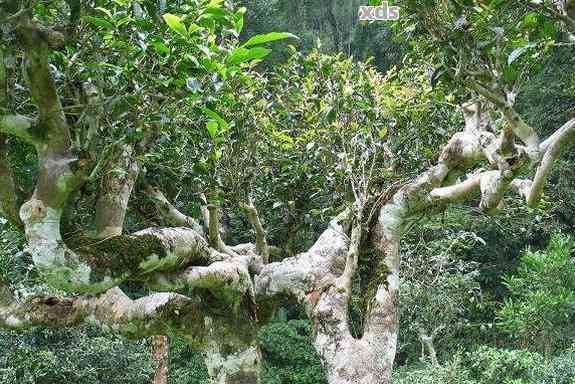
[
  {"x": 163, "y": 173},
  {"x": 539, "y": 309}
]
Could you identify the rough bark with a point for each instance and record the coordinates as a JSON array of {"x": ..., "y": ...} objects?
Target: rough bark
[
  {"x": 8, "y": 194},
  {"x": 232, "y": 356},
  {"x": 115, "y": 191},
  {"x": 428, "y": 347},
  {"x": 8, "y": 198},
  {"x": 111, "y": 310},
  {"x": 262, "y": 247}
]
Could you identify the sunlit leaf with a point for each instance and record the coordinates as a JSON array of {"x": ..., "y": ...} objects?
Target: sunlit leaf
[
  {"x": 104, "y": 10},
  {"x": 214, "y": 115},
  {"x": 382, "y": 133},
  {"x": 175, "y": 24},
  {"x": 242, "y": 55},
  {"x": 99, "y": 22},
  {"x": 212, "y": 127},
  {"x": 266, "y": 38}
]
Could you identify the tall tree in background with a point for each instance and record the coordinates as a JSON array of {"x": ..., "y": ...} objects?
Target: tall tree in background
[{"x": 161, "y": 356}]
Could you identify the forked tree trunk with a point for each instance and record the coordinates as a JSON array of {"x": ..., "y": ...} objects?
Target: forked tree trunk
[
  {"x": 161, "y": 354},
  {"x": 368, "y": 360}
]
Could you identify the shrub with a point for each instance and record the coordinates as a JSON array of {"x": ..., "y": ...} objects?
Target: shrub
[
  {"x": 453, "y": 372},
  {"x": 82, "y": 356},
  {"x": 539, "y": 311},
  {"x": 289, "y": 356},
  {"x": 501, "y": 366}
]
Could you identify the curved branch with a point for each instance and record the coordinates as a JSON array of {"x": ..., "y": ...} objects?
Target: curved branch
[
  {"x": 172, "y": 215},
  {"x": 308, "y": 274},
  {"x": 553, "y": 149},
  {"x": 262, "y": 247}
]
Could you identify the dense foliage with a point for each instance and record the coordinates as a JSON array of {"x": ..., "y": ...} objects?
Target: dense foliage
[{"x": 215, "y": 116}]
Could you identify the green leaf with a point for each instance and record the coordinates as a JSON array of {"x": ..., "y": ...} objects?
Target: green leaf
[
  {"x": 510, "y": 74},
  {"x": 175, "y": 24},
  {"x": 239, "y": 19},
  {"x": 212, "y": 127},
  {"x": 215, "y": 3},
  {"x": 382, "y": 133},
  {"x": 104, "y": 10},
  {"x": 193, "y": 28},
  {"x": 242, "y": 55},
  {"x": 99, "y": 22},
  {"x": 161, "y": 47},
  {"x": 214, "y": 12},
  {"x": 214, "y": 115},
  {"x": 266, "y": 38}
]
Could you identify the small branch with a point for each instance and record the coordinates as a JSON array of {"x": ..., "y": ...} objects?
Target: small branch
[
  {"x": 214, "y": 237},
  {"x": 489, "y": 94},
  {"x": 427, "y": 343},
  {"x": 346, "y": 279},
  {"x": 262, "y": 247},
  {"x": 456, "y": 192},
  {"x": 115, "y": 191},
  {"x": 91, "y": 113},
  {"x": 520, "y": 128},
  {"x": 524, "y": 131},
  {"x": 171, "y": 213}
]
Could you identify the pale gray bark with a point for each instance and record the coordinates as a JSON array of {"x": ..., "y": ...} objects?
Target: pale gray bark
[
  {"x": 115, "y": 191},
  {"x": 312, "y": 276},
  {"x": 233, "y": 356},
  {"x": 112, "y": 310}
]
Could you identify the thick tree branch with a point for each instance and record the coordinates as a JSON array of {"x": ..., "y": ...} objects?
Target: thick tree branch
[
  {"x": 304, "y": 276},
  {"x": 229, "y": 280},
  {"x": 115, "y": 191},
  {"x": 143, "y": 317},
  {"x": 52, "y": 121}
]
